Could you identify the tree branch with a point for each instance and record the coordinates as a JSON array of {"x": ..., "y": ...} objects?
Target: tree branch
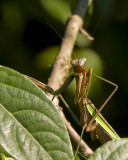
[
  {"x": 62, "y": 64},
  {"x": 84, "y": 148}
]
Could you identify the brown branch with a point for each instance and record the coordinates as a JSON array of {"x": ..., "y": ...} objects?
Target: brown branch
[
  {"x": 84, "y": 148},
  {"x": 62, "y": 64},
  {"x": 83, "y": 31}
]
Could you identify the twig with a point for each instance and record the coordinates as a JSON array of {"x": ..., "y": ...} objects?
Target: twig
[
  {"x": 83, "y": 31},
  {"x": 62, "y": 63},
  {"x": 84, "y": 148}
]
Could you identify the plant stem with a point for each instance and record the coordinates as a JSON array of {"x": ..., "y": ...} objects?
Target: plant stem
[{"x": 62, "y": 64}]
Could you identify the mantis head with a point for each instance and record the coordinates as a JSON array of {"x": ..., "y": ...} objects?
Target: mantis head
[{"x": 79, "y": 64}]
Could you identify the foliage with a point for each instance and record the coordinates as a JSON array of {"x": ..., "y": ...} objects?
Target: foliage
[
  {"x": 112, "y": 150},
  {"x": 3, "y": 157},
  {"x": 31, "y": 127},
  {"x": 28, "y": 45}
]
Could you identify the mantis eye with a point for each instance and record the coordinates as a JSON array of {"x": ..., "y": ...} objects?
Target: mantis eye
[{"x": 78, "y": 62}]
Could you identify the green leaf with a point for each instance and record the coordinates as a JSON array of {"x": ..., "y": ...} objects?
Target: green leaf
[
  {"x": 59, "y": 10},
  {"x": 30, "y": 125},
  {"x": 3, "y": 157},
  {"x": 113, "y": 150},
  {"x": 44, "y": 55}
]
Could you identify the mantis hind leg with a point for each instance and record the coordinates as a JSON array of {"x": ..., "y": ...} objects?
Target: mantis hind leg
[{"x": 106, "y": 101}]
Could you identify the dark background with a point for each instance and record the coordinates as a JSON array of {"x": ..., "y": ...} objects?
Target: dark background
[{"x": 29, "y": 45}]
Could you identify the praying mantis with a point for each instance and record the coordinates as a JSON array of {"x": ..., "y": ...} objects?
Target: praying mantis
[{"x": 90, "y": 117}]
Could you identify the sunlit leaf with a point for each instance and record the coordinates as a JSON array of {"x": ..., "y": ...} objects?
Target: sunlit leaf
[
  {"x": 113, "y": 150},
  {"x": 30, "y": 125}
]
